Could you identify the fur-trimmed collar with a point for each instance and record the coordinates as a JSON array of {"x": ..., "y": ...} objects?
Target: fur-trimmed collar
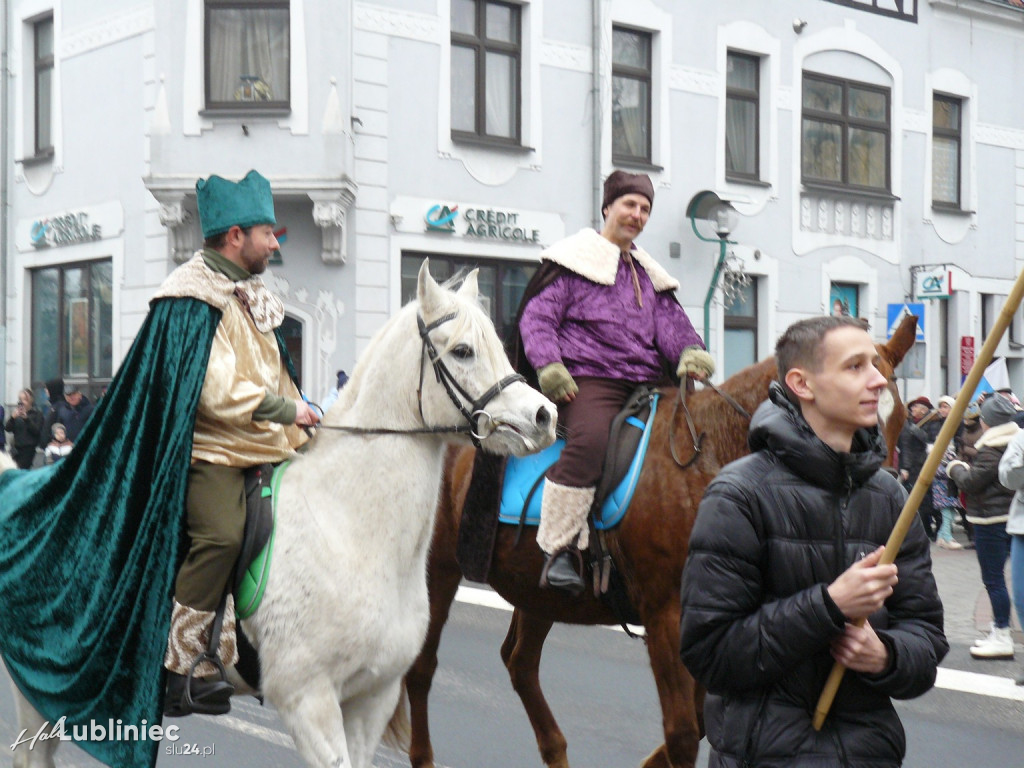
[
  {"x": 590, "y": 255},
  {"x": 195, "y": 280},
  {"x": 998, "y": 437}
]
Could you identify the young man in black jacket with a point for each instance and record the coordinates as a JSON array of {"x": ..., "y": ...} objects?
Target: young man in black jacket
[{"x": 784, "y": 556}]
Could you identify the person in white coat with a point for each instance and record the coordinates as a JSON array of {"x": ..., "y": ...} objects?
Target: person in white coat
[{"x": 1011, "y": 474}]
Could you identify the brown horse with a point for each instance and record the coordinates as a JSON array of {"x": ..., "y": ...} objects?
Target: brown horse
[{"x": 649, "y": 548}]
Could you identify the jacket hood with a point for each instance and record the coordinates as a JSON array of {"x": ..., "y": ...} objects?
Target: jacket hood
[
  {"x": 997, "y": 437},
  {"x": 780, "y": 427}
]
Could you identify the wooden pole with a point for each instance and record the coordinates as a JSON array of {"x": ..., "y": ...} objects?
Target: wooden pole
[{"x": 924, "y": 480}]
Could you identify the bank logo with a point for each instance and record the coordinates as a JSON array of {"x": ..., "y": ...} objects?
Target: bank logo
[{"x": 441, "y": 218}]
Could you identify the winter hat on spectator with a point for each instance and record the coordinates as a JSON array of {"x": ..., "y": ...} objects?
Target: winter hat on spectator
[
  {"x": 947, "y": 400},
  {"x": 620, "y": 183},
  {"x": 922, "y": 400},
  {"x": 997, "y": 410}
]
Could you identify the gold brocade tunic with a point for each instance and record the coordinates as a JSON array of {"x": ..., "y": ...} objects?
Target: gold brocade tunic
[{"x": 245, "y": 366}]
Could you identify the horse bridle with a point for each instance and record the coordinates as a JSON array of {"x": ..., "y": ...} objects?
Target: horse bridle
[{"x": 471, "y": 409}]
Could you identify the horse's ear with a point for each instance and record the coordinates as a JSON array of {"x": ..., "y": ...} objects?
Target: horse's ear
[
  {"x": 901, "y": 342},
  {"x": 428, "y": 292},
  {"x": 470, "y": 287}
]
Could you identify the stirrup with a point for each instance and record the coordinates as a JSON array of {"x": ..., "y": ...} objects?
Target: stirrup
[
  {"x": 574, "y": 586},
  {"x": 215, "y": 700}
]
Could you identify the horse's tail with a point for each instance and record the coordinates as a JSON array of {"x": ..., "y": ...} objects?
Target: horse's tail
[
  {"x": 6, "y": 462},
  {"x": 398, "y": 734}
]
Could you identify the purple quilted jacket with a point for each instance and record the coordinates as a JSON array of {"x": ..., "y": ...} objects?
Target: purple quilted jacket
[{"x": 601, "y": 330}]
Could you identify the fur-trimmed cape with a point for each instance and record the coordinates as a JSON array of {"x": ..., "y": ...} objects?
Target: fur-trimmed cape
[{"x": 89, "y": 546}]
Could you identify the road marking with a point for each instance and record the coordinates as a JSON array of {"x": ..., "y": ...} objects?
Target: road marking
[
  {"x": 947, "y": 679},
  {"x": 983, "y": 685}
]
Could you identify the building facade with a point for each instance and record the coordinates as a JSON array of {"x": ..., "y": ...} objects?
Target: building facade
[{"x": 873, "y": 149}]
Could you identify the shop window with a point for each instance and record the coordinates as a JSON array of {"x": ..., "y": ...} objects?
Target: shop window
[
  {"x": 631, "y": 96},
  {"x": 844, "y": 300},
  {"x": 845, "y": 135},
  {"x": 42, "y": 89},
  {"x": 947, "y": 141},
  {"x": 247, "y": 44},
  {"x": 72, "y": 328},
  {"x": 502, "y": 283},
  {"x": 740, "y": 325},
  {"x": 485, "y": 69},
  {"x": 742, "y": 116}
]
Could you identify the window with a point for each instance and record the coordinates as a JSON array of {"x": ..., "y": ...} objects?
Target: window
[
  {"x": 631, "y": 96},
  {"x": 946, "y": 141},
  {"x": 742, "y": 109},
  {"x": 247, "y": 54},
  {"x": 843, "y": 300},
  {"x": 845, "y": 138},
  {"x": 485, "y": 68},
  {"x": 740, "y": 325},
  {"x": 72, "y": 324},
  {"x": 502, "y": 283},
  {"x": 42, "y": 35}
]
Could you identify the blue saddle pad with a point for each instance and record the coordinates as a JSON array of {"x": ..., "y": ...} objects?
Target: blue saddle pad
[{"x": 523, "y": 473}]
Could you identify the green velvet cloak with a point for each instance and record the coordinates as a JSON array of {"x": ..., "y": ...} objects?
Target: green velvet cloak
[{"x": 89, "y": 546}]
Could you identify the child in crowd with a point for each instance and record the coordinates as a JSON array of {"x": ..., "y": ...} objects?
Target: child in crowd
[{"x": 59, "y": 446}]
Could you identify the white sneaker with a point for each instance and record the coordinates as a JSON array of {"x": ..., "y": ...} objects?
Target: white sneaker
[
  {"x": 987, "y": 638},
  {"x": 999, "y": 645}
]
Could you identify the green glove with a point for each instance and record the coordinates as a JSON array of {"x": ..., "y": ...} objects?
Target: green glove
[
  {"x": 556, "y": 382},
  {"x": 695, "y": 362}
]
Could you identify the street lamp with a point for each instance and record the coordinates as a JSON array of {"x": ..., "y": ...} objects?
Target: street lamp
[{"x": 708, "y": 206}]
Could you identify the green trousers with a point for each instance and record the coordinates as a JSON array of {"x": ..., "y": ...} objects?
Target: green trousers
[{"x": 216, "y": 524}]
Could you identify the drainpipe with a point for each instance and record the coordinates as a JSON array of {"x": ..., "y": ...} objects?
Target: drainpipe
[
  {"x": 595, "y": 96},
  {"x": 5, "y": 134}
]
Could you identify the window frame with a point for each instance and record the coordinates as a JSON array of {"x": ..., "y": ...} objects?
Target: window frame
[
  {"x": 482, "y": 45},
  {"x": 644, "y": 75},
  {"x": 734, "y": 93},
  {"x": 846, "y": 123},
  {"x": 956, "y": 135},
  {"x": 41, "y": 64},
  {"x": 209, "y": 104},
  {"x": 93, "y": 381}
]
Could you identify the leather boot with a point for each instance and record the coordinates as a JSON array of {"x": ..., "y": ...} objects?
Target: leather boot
[
  {"x": 560, "y": 574},
  {"x": 202, "y": 697}
]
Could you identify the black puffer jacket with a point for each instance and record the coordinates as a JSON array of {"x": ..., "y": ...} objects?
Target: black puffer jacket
[{"x": 774, "y": 529}]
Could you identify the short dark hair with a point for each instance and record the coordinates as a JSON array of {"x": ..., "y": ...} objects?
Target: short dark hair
[
  {"x": 800, "y": 344},
  {"x": 217, "y": 241}
]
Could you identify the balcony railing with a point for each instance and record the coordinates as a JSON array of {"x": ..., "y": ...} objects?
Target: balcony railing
[{"x": 906, "y": 10}]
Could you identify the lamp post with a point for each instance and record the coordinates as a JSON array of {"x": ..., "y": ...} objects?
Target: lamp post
[{"x": 708, "y": 206}]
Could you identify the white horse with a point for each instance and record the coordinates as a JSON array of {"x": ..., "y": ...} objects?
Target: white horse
[{"x": 345, "y": 609}]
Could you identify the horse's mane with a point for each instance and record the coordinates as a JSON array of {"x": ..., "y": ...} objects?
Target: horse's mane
[{"x": 722, "y": 425}]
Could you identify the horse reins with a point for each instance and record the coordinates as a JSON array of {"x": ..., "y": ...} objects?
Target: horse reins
[
  {"x": 471, "y": 409},
  {"x": 697, "y": 439}
]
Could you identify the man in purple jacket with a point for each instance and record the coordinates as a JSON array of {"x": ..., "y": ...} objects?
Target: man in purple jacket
[{"x": 599, "y": 318}]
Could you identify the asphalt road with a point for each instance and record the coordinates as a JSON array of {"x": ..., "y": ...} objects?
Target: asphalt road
[{"x": 600, "y": 688}]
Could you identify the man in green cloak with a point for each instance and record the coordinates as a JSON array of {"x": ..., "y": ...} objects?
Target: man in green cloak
[{"x": 90, "y": 546}]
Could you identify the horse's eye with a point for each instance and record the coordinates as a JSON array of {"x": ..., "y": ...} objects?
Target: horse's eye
[{"x": 463, "y": 351}]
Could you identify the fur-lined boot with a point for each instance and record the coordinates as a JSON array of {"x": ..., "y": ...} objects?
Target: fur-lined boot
[{"x": 563, "y": 520}]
